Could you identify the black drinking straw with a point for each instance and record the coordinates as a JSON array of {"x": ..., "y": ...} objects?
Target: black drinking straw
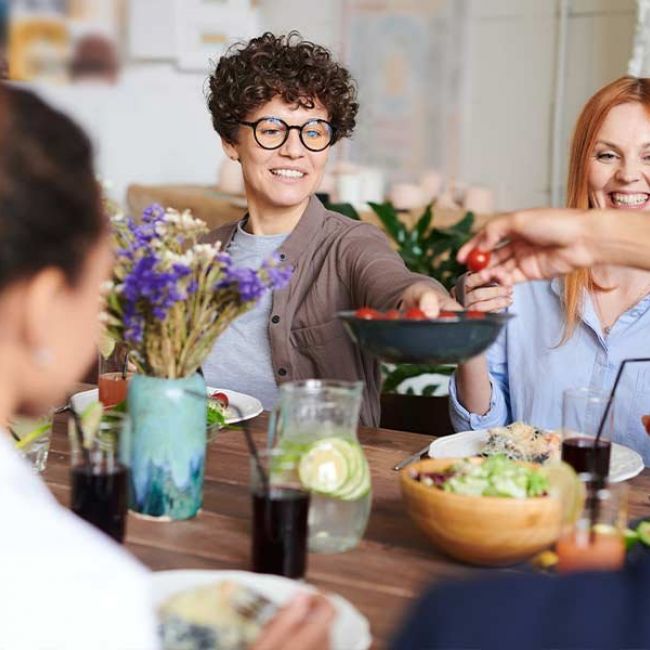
[
  {"x": 80, "y": 436},
  {"x": 125, "y": 365},
  {"x": 252, "y": 448},
  {"x": 612, "y": 395},
  {"x": 593, "y": 510}
]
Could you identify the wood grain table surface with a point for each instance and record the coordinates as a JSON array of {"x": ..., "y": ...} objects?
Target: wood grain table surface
[{"x": 381, "y": 577}]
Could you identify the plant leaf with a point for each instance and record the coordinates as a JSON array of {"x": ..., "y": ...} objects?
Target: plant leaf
[
  {"x": 389, "y": 219},
  {"x": 346, "y": 209},
  {"x": 422, "y": 226}
]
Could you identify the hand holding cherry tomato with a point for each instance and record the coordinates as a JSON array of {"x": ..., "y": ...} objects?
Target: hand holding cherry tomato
[{"x": 477, "y": 260}]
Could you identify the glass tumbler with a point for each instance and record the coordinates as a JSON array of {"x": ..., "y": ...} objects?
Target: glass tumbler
[
  {"x": 595, "y": 541},
  {"x": 100, "y": 476},
  {"x": 583, "y": 410},
  {"x": 280, "y": 512}
]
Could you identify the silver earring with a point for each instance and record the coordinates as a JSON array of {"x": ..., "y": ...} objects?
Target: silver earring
[{"x": 43, "y": 357}]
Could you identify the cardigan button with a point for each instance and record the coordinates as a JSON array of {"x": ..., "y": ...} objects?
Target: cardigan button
[
  {"x": 282, "y": 257},
  {"x": 282, "y": 372},
  {"x": 275, "y": 320}
]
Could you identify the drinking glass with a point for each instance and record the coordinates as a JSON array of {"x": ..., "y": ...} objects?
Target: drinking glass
[
  {"x": 582, "y": 412},
  {"x": 595, "y": 541},
  {"x": 280, "y": 512},
  {"x": 100, "y": 476},
  {"x": 113, "y": 375},
  {"x": 34, "y": 443}
]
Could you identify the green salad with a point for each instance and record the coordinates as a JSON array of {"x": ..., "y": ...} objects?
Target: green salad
[{"x": 496, "y": 476}]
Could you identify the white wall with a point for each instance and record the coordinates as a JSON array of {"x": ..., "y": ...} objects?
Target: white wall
[
  {"x": 511, "y": 76},
  {"x": 154, "y": 126}
]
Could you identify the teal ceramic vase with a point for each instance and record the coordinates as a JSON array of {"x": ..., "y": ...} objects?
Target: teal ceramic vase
[{"x": 167, "y": 447}]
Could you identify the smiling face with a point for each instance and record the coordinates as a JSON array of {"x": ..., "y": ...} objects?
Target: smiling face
[
  {"x": 619, "y": 169},
  {"x": 285, "y": 177}
]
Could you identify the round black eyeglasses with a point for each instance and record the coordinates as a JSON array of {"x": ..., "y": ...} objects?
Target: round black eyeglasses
[{"x": 272, "y": 133}]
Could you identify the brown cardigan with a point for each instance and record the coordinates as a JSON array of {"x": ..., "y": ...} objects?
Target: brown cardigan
[{"x": 338, "y": 264}]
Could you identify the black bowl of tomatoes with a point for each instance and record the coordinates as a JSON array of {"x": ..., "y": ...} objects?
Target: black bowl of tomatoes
[{"x": 411, "y": 337}]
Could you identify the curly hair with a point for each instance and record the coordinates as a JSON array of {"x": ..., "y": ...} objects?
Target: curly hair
[{"x": 252, "y": 73}]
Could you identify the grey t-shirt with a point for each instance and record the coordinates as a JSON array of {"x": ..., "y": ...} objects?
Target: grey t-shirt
[{"x": 241, "y": 357}]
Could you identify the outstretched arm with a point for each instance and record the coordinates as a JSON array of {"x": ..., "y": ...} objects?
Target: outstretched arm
[{"x": 543, "y": 243}]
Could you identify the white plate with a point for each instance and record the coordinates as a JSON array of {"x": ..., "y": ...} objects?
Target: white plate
[
  {"x": 625, "y": 463},
  {"x": 247, "y": 404},
  {"x": 351, "y": 630}
]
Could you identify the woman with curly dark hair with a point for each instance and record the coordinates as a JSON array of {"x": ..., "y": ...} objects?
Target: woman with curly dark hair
[{"x": 279, "y": 103}]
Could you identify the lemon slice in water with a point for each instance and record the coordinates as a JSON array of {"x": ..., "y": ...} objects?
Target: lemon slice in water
[{"x": 326, "y": 466}]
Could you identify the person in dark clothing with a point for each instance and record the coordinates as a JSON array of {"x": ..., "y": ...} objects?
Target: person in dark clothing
[{"x": 594, "y": 611}]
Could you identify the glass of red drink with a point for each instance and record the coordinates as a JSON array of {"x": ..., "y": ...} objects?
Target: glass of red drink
[
  {"x": 582, "y": 413},
  {"x": 113, "y": 375},
  {"x": 280, "y": 513},
  {"x": 595, "y": 541},
  {"x": 99, "y": 476}
]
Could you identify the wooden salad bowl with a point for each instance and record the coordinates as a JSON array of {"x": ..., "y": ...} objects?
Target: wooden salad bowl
[{"x": 488, "y": 531}]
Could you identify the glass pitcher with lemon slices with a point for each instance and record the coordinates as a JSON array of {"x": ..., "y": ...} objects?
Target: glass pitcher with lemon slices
[{"x": 315, "y": 424}]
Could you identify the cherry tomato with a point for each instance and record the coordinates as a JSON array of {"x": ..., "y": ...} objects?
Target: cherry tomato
[
  {"x": 477, "y": 260},
  {"x": 218, "y": 396},
  {"x": 392, "y": 314},
  {"x": 448, "y": 314},
  {"x": 415, "y": 313},
  {"x": 367, "y": 313},
  {"x": 473, "y": 313}
]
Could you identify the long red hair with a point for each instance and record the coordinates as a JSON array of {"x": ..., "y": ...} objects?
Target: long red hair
[{"x": 590, "y": 121}]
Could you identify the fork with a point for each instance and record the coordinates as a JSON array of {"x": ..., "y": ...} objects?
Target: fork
[{"x": 410, "y": 459}]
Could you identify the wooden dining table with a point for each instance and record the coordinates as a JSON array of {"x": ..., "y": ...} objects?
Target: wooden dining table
[{"x": 381, "y": 577}]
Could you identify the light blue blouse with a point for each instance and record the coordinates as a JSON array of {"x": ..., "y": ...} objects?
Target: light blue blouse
[{"x": 529, "y": 370}]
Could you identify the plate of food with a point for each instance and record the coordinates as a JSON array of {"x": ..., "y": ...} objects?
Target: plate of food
[
  {"x": 521, "y": 441},
  {"x": 224, "y": 406},
  {"x": 411, "y": 337},
  {"x": 219, "y": 610}
]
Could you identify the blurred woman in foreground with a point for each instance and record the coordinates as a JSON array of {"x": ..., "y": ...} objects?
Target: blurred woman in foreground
[
  {"x": 576, "y": 331},
  {"x": 60, "y": 578},
  {"x": 65, "y": 584}
]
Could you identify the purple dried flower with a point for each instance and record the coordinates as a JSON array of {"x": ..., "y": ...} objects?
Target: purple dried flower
[
  {"x": 279, "y": 276},
  {"x": 152, "y": 213},
  {"x": 250, "y": 286}
]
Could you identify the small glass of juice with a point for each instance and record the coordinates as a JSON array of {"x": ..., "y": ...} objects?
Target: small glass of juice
[
  {"x": 113, "y": 376},
  {"x": 595, "y": 541}
]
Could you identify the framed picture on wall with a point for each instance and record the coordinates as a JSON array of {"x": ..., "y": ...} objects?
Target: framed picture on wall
[{"x": 205, "y": 28}]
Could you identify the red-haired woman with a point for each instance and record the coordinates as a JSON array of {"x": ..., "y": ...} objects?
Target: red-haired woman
[{"x": 576, "y": 331}]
